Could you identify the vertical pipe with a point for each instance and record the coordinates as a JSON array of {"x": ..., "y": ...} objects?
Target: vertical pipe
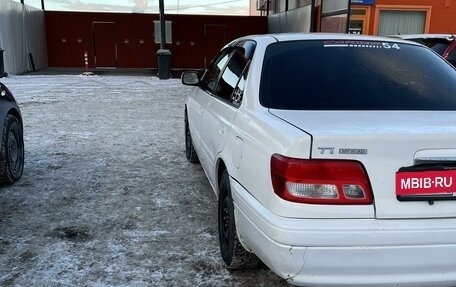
[
  {"x": 42, "y": 5},
  {"x": 348, "y": 17},
  {"x": 312, "y": 17},
  {"x": 162, "y": 24},
  {"x": 321, "y": 15}
]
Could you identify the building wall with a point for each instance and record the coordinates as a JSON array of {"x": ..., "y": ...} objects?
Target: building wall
[
  {"x": 296, "y": 20},
  {"x": 22, "y": 33},
  {"x": 195, "y": 38},
  {"x": 440, "y": 14}
]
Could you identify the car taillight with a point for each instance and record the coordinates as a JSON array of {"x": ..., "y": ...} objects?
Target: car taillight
[{"x": 320, "y": 181}]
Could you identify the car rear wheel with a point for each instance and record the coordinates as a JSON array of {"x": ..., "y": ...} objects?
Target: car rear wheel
[
  {"x": 190, "y": 152},
  {"x": 233, "y": 253},
  {"x": 12, "y": 151}
]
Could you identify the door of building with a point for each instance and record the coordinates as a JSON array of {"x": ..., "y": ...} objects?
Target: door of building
[
  {"x": 105, "y": 44},
  {"x": 215, "y": 39},
  {"x": 359, "y": 21}
]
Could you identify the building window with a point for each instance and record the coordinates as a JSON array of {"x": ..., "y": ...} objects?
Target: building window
[
  {"x": 334, "y": 16},
  {"x": 282, "y": 6},
  {"x": 395, "y": 20},
  {"x": 33, "y": 3},
  {"x": 287, "y": 5},
  {"x": 295, "y": 4}
]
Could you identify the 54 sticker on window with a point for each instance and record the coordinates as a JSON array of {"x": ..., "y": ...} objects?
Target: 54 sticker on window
[{"x": 360, "y": 44}]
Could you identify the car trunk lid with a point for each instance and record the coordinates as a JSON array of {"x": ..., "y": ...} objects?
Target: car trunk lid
[{"x": 387, "y": 142}]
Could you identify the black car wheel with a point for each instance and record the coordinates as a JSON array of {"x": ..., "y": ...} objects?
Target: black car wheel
[
  {"x": 12, "y": 151},
  {"x": 190, "y": 152},
  {"x": 233, "y": 253}
]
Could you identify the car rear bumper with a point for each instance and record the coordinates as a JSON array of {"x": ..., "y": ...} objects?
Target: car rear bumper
[{"x": 348, "y": 252}]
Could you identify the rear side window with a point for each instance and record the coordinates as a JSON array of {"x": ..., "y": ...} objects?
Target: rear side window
[
  {"x": 226, "y": 75},
  {"x": 232, "y": 74},
  {"x": 439, "y": 46},
  {"x": 209, "y": 81},
  {"x": 355, "y": 75},
  {"x": 452, "y": 56}
]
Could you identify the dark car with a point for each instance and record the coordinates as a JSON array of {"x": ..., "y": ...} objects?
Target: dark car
[
  {"x": 443, "y": 44},
  {"x": 12, "y": 144}
]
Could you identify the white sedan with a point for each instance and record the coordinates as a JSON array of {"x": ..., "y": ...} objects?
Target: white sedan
[{"x": 333, "y": 158}]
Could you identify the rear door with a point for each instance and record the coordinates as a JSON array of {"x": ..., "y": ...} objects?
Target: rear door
[
  {"x": 197, "y": 110},
  {"x": 222, "y": 102}
]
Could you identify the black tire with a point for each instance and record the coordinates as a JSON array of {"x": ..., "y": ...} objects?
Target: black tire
[
  {"x": 12, "y": 151},
  {"x": 233, "y": 253},
  {"x": 190, "y": 152}
]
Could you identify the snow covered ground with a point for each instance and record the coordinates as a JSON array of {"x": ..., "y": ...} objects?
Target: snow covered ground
[{"x": 107, "y": 197}]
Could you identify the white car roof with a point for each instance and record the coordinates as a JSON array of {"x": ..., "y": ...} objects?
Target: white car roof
[{"x": 282, "y": 37}]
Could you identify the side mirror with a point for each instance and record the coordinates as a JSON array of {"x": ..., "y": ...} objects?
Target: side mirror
[{"x": 190, "y": 78}]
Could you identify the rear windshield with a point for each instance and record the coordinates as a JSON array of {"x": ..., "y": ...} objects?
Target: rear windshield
[{"x": 355, "y": 75}]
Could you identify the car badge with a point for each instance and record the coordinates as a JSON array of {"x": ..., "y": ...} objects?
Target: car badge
[
  {"x": 323, "y": 150},
  {"x": 352, "y": 151}
]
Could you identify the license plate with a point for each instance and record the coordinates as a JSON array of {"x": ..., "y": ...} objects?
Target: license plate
[{"x": 426, "y": 183}]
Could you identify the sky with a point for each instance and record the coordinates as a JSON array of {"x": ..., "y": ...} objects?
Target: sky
[{"x": 218, "y": 7}]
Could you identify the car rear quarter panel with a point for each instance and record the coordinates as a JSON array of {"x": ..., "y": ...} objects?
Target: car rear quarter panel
[
  {"x": 258, "y": 135},
  {"x": 264, "y": 135}
]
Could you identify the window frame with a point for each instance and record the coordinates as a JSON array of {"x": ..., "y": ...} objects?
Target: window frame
[
  {"x": 229, "y": 51},
  {"x": 331, "y": 103},
  {"x": 412, "y": 8},
  {"x": 221, "y": 55}
]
